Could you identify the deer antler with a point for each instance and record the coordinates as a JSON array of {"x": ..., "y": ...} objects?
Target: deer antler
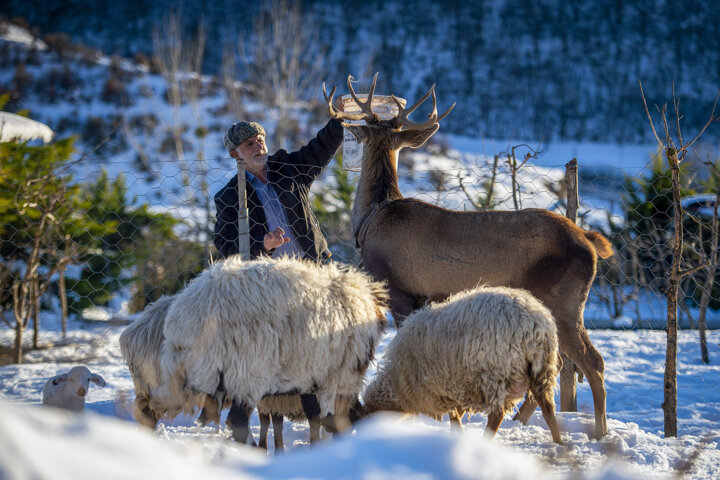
[
  {"x": 401, "y": 120},
  {"x": 365, "y": 107}
]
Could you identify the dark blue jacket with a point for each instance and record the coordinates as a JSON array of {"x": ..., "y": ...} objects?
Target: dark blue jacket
[{"x": 291, "y": 174}]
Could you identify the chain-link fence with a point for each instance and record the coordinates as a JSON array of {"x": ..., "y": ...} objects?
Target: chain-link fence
[{"x": 82, "y": 239}]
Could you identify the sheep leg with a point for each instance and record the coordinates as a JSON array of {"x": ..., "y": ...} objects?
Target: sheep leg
[
  {"x": 342, "y": 422},
  {"x": 277, "y": 421},
  {"x": 239, "y": 420},
  {"x": 456, "y": 417},
  {"x": 338, "y": 422},
  {"x": 357, "y": 411},
  {"x": 311, "y": 407},
  {"x": 548, "y": 411},
  {"x": 493, "y": 423},
  {"x": 210, "y": 411},
  {"x": 264, "y": 425},
  {"x": 146, "y": 416},
  {"x": 526, "y": 410}
]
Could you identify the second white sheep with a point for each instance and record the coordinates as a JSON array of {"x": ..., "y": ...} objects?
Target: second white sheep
[{"x": 480, "y": 350}]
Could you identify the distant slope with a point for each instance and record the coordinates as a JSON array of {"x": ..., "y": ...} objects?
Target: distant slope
[{"x": 517, "y": 68}]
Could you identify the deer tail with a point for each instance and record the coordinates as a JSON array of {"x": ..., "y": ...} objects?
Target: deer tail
[{"x": 602, "y": 245}]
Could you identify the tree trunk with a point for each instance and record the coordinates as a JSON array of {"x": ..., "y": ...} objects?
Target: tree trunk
[
  {"x": 63, "y": 302},
  {"x": 670, "y": 390},
  {"x": 36, "y": 313},
  {"x": 17, "y": 350},
  {"x": 568, "y": 388},
  {"x": 704, "y": 302}
]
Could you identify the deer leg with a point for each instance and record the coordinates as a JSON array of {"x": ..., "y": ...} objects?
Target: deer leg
[
  {"x": 526, "y": 410},
  {"x": 574, "y": 340},
  {"x": 277, "y": 421},
  {"x": 493, "y": 423},
  {"x": 311, "y": 407},
  {"x": 592, "y": 366},
  {"x": 401, "y": 305},
  {"x": 589, "y": 361}
]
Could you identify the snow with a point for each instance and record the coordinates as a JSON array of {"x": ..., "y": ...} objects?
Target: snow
[
  {"x": 17, "y": 34},
  {"x": 45, "y": 442},
  {"x": 630, "y": 159},
  {"x": 14, "y": 128}
]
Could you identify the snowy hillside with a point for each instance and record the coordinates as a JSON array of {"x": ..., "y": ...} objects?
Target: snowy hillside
[{"x": 518, "y": 68}]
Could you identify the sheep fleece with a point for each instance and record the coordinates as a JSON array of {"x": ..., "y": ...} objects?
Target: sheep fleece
[
  {"x": 468, "y": 352},
  {"x": 141, "y": 345},
  {"x": 274, "y": 326}
]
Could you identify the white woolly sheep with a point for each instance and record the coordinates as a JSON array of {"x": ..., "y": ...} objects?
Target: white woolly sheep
[
  {"x": 270, "y": 326},
  {"x": 480, "y": 350},
  {"x": 141, "y": 347},
  {"x": 68, "y": 390}
]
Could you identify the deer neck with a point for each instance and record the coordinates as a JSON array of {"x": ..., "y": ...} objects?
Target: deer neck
[{"x": 378, "y": 183}]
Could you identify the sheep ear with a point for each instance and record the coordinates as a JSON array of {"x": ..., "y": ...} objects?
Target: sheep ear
[
  {"x": 98, "y": 379},
  {"x": 59, "y": 379}
]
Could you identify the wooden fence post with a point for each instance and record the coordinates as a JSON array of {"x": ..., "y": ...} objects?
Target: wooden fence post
[{"x": 568, "y": 391}]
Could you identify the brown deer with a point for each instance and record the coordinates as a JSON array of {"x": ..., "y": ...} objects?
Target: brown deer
[{"x": 426, "y": 252}]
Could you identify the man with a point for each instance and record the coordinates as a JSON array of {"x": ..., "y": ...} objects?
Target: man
[{"x": 278, "y": 186}]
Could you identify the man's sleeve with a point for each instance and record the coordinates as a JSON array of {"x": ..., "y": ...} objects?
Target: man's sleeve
[{"x": 310, "y": 160}]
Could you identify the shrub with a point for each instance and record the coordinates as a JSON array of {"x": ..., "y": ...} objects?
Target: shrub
[{"x": 114, "y": 91}]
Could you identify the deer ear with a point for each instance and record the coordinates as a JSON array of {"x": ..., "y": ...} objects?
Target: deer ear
[
  {"x": 360, "y": 131},
  {"x": 415, "y": 138}
]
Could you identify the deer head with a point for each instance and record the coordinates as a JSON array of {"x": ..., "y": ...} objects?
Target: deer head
[
  {"x": 382, "y": 139},
  {"x": 393, "y": 134}
]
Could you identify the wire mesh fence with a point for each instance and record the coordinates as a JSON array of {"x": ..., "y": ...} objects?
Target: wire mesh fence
[{"x": 83, "y": 238}]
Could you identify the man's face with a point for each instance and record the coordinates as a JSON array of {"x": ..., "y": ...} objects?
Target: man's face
[{"x": 254, "y": 152}]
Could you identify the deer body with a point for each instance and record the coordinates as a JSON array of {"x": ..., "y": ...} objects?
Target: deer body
[{"x": 427, "y": 253}]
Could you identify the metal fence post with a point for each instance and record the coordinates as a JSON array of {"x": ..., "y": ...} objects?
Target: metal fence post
[{"x": 243, "y": 225}]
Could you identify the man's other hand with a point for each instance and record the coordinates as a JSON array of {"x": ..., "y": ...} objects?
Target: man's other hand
[{"x": 275, "y": 238}]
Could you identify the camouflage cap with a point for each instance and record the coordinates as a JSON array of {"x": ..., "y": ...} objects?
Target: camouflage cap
[{"x": 239, "y": 132}]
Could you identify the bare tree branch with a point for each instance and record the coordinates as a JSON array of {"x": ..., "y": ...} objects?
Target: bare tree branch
[{"x": 647, "y": 112}]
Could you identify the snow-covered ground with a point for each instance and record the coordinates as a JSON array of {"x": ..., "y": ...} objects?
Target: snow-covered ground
[{"x": 107, "y": 443}]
